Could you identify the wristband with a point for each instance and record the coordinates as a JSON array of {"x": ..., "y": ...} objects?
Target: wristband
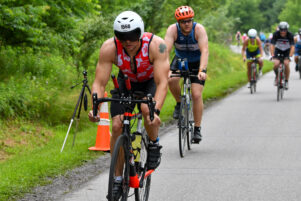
[
  {"x": 157, "y": 111},
  {"x": 204, "y": 70}
]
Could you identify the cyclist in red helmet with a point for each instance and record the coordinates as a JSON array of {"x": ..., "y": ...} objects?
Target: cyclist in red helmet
[{"x": 191, "y": 42}]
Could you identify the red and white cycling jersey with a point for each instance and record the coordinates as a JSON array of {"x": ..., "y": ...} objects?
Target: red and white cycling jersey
[{"x": 144, "y": 69}]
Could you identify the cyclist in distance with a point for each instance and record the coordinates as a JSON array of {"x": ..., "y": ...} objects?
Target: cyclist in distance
[
  {"x": 282, "y": 43},
  {"x": 297, "y": 48},
  {"x": 252, "y": 48},
  {"x": 238, "y": 37},
  {"x": 142, "y": 56},
  {"x": 191, "y": 42},
  {"x": 244, "y": 37}
]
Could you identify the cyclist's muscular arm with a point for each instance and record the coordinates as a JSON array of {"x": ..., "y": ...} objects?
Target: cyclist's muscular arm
[
  {"x": 103, "y": 69},
  {"x": 272, "y": 49},
  {"x": 159, "y": 56},
  {"x": 292, "y": 43},
  {"x": 260, "y": 46},
  {"x": 170, "y": 37},
  {"x": 201, "y": 37},
  {"x": 243, "y": 50},
  {"x": 292, "y": 50}
]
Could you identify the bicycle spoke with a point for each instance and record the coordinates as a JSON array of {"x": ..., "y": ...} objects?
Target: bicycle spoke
[{"x": 142, "y": 194}]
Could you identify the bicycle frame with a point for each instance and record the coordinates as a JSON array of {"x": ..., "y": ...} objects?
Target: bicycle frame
[{"x": 134, "y": 181}]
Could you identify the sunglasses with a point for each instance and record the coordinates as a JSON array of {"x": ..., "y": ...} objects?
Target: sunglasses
[
  {"x": 186, "y": 21},
  {"x": 283, "y": 30},
  {"x": 252, "y": 37},
  {"x": 128, "y": 36}
]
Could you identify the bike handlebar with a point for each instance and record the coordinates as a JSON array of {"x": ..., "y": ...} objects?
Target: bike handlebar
[
  {"x": 125, "y": 100},
  {"x": 182, "y": 74}
]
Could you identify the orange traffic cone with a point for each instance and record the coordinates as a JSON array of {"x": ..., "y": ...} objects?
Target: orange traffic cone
[{"x": 103, "y": 130}]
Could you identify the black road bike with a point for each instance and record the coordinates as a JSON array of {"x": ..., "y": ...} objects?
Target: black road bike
[
  {"x": 130, "y": 150},
  {"x": 185, "y": 121}
]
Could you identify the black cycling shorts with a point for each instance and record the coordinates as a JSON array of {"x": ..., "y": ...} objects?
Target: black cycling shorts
[
  {"x": 286, "y": 53},
  {"x": 147, "y": 87},
  {"x": 191, "y": 66}
]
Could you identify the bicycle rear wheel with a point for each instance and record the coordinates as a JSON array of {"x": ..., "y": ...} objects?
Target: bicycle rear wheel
[
  {"x": 120, "y": 155},
  {"x": 183, "y": 126},
  {"x": 142, "y": 194}
]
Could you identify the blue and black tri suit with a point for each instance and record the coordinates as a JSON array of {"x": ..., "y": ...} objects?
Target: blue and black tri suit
[{"x": 187, "y": 47}]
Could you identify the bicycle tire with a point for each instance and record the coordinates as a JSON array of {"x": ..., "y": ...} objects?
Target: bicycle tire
[
  {"x": 120, "y": 146},
  {"x": 142, "y": 194},
  {"x": 252, "y": 77},
  {"x": 190, "y": 122},
  {"x": 182, "y": 126},
  {"x": 279, "y": 83}
]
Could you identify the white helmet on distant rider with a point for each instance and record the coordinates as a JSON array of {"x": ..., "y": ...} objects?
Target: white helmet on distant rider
[
  {"x": 128, "y": 25},
  {"x": 283, "y": 26},
  {"x": 252, "y": 33}
]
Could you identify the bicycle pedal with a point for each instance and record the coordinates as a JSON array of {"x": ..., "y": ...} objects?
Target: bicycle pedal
[{"x": 195, "y": 141}]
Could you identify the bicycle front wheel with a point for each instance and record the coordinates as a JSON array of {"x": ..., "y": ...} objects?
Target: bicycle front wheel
[
  {"x": 142, "y": 194},
  {"x": 119, "y": 167},
  {"x": 183, "y": 126},
  {"x": 190, "y": 123},
  {"x": 279, "y": 86}
]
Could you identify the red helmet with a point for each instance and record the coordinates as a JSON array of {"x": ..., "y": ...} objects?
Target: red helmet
[{"x": 184, "y": 12}]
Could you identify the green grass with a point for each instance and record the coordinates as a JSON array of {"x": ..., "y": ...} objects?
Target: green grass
[{"x": 33, "y": 157}]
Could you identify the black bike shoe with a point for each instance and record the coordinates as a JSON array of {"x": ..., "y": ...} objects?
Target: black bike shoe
[
  {"x": 154, "y": 155},
  {"x": 176, "y": 112},
  {"x": 116, "y": 190},
  {"x": 197, "y": 137}
]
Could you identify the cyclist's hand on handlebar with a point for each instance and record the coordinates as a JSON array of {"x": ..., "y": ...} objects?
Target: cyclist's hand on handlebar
[
  {"x": 156, "y": 120},
  {"x": 202, "y": 76},
  {"x": 92, "y": 118}
]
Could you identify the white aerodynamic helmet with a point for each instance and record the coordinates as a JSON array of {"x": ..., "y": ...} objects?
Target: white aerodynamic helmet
[
  {"x": 252, "y": 33},
  {"x": 128, "y": 25}
]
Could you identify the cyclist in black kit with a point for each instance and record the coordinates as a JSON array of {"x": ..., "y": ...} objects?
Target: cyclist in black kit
[{"x": 282, "y": 43}]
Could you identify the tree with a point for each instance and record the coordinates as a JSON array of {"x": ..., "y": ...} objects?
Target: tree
[
  {"x": 248, "y": 13},
  {"x": 291, "y": 13}
]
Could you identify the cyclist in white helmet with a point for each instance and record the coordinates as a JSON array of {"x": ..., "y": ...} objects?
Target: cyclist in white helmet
[
  {"x": 282, "y": 43},
  {"x": 142, "y": 56},
  {"x": 252, "y": 48}
]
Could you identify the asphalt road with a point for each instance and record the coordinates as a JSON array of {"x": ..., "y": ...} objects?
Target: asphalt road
[{"x": 251, "y": 151}]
